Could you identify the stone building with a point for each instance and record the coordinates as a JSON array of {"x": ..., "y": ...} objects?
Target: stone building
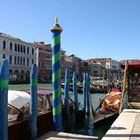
[{"x": 21, "y": 56}]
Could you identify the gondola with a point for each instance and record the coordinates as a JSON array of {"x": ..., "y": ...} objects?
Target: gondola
[{"x": 108, "y": 107}]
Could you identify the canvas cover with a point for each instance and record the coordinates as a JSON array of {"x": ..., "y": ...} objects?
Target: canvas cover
[{"x": 18, "y": 99}]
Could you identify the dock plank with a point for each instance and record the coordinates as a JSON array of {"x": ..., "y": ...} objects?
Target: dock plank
[
  {"x": 53, "y": 135},
  {"x": 125, "y": 127}
]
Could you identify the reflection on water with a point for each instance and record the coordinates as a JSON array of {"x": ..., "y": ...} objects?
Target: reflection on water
[{"x": 87, "y": 128}]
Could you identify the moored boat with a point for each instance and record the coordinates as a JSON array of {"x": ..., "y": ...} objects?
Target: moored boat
[
  {"x": 18, "y": 105},
  {"x": 108, "y": 107}
]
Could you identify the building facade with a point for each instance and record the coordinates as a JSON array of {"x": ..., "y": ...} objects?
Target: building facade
[
  {"x": 111, "y": 68},
  {"x": 74, "y": 64},
  {"x": 44, "y": 62},
  {"x": 96, "y": 71},
  {"x": 21, "y": 56}
]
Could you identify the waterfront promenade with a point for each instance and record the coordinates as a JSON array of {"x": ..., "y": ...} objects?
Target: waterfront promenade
[{"x": 126, "y": 126}]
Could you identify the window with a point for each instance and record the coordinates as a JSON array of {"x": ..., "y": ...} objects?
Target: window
[
  {"x": 11, "y": 46},
  {"x": 32, "y": 51},
  {"x": 4, "y": 44},
  {"x": 24, "y": 49},
  {"x": 15, "y": 47},
  {"x": 32, "y": 61},
  {"x": 15, "y": 60},
  {"x": 27, "y": 50},
  {"x": 4, "y": 56},
  {"x": 23, "y": 60},
  {"x": 10, "y": 59},
  {"x": 21, "y": 48},
  {"x": 27, "y": 61},
  {"x": 20, "y": 60},
  {"x": 18, "y": 48}
]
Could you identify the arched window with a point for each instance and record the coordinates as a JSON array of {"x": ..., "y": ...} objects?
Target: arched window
[
  {"x": 11, "y": 46},
  {"x": 4, "y": 56},
  {"x": 15, "y": 60},
  {"x": 4, "y": 44},
  {"x": 10, "y": 59},
  {"x": 27, "y": 50},
  {"x": 32, "y": 51},
  {"x": 15, "y": 47},
  {"x": 32, "y": 61}
]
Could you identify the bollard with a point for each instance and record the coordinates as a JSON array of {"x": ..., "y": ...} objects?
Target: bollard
[
  {"x": 4, "y": 80},
  {"x": 56, "y": 77},
  {"x": 66, "y": 97},
  {"x": 33, "y": 102}
]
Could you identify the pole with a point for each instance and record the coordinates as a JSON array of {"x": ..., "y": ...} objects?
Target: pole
[
  {"x": 75, "y": 92},
  {"x": 124, "y": 86},
  {"x": 66, "y": 97},
  {"x": 56, "y": 76},
  {"x": 33, "y": 102},
  {"x": 84, "y": 92},
  {"x": 87, "y": 93},
  {"x": 4, "y": 80}
]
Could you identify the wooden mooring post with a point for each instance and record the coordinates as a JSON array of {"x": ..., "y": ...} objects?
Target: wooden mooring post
[
  {"x": 66, "y": 97},
  {"x": 84, "y": 93},
  {"x": 4, "y": 80},
  {"x": 75, "y": 93},
  {"x": 33, "y": 102},
  {"x": 124, "y": 86}
]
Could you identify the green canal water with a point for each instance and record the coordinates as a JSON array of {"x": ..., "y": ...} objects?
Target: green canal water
[{"x": 87, "y": 128}]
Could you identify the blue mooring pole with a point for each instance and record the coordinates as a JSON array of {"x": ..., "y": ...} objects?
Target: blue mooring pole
[
  {"x": 87, "y": 93},
  {"x": 75, "y": 92},
  {"x": 84, "y": 93},
  {"x": 66, "y": 97},
  {"x": 33, "y": 102},
  {"x": 4, "y": 80}
]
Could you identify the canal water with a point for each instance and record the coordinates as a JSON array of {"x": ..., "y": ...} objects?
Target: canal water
[{"x": 87, "y": 128}]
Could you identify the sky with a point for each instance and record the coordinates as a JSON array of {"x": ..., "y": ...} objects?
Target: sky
[{"x": 91, "y": 28}]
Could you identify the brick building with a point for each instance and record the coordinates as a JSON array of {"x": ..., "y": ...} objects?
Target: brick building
[{"x": 44, "y": 61}]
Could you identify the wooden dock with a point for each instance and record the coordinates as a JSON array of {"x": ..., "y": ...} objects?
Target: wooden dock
[
  {"x": 53, "y": 135},
  {"x": 126, "y": 126}
]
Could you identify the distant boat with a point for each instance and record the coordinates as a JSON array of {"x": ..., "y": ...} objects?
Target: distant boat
[{"x": 80, "y": 88}]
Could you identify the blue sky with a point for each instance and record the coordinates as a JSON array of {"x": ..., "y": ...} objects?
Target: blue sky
[{"x": 92, "y": 28}]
